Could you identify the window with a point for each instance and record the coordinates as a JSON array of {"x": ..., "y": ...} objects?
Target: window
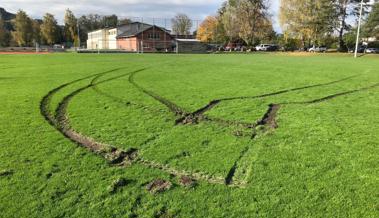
[{"x": 153, "y": 36}]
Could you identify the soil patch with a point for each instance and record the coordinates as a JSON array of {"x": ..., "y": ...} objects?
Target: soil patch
[
  {"x": 158, "y": 186},
  {"x": 187, "y": 181},
  {"x": 269, "y": 118}
]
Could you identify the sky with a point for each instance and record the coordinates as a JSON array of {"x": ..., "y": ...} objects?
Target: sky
[{"x": 196, "y": 9}]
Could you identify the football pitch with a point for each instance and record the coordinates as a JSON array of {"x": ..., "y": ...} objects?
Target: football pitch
[{"x": 221, "y": 135}]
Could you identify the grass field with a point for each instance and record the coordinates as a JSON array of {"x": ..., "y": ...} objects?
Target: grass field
[{"x": 263, "y": 135}]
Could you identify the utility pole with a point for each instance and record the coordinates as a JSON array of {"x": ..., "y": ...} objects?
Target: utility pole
[
  {"x": 359, "y": 29},
  {"x": 78, "y": 27}
]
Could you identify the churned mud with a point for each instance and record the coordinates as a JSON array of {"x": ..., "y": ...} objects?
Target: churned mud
[
  {"x": 115, "y": 156},
  {"x": 158, "y": 186}
]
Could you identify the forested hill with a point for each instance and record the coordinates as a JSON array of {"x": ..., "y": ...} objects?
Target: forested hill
[{"x": 5, "y": 15}]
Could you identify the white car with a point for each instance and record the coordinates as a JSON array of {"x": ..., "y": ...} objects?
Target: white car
[
  {"x": 318, "y": 49},
  {"x": 372, "y": 50},
  {"x": 262, "y": 47}
]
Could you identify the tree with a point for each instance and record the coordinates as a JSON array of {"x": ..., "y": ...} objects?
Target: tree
[
  {"x": 344, "y": 9},
  {"x": 124, "y": 21},
  {"x": 181, "y": 24},
  {"x": 70, "y": 26},
  {"x": 245, "y": 19},
  {"x": 4, "y": 34},
  {"x": 36, "y": 26},
  {"x": 371, "y": 27},
  {"x": 307, "y": 20},
  {"x": 253, "y": 20},
  {"x": 230, "y": 20},
  {"x": 88, "y": 23},
  {"x": 207, "y": 31},
  {"x": 50, "y": 29},
  {"x": 110, "y": 21},
  {"x": 23, "y": 34}
]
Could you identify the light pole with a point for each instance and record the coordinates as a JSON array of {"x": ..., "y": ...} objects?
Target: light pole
[
  {"x": 359, "y": 29},
  {"x": 78, "y": 28}
]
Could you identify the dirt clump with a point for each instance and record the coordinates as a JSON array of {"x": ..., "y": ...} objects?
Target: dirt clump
[
  {"x": 269, "y": 119},
  {"x": 187, "y": 181},
  {"x": 122, "y": 157},
  {"x": 158, "y": 186}
]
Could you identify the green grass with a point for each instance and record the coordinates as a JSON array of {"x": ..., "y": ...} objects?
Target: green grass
[{"x": 321, "y": 161}]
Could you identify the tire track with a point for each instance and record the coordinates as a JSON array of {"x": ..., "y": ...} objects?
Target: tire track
[
  {"x": 288, "y": 90},
  {"x": 330, "y": 97},
  {"x": 122, "y": 101},
  {"x": 269, "y": 121},
  {"x": 111, "y": 153},
  {"x": 45, "y": 102},
  {"x": 117, "y": 156},
  {"x": 170, "y": 105},
  {"x": 198, "y": 115}
]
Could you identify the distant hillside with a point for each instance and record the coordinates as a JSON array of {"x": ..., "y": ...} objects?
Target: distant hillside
[{"x": 6, "y": 15}]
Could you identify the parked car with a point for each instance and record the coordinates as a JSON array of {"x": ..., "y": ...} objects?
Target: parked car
[
  {"x": 267, "y": 47},
  {"x": 318, "y": 49},
  {"x": 372, "y": 50},
  {"x": 262, "y": 47},
  {"x": 273, "y": 48},
  {"x": 361, "y": 49}
]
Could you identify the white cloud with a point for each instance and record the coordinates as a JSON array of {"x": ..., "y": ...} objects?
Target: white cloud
[{"x": 196, "y": 9}]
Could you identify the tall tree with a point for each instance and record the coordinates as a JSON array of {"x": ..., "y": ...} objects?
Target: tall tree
[
  {"x": 110, "y": 21},
  {"x": 245, "y": 19},
  {"x": 253, "y": 20},
  {"x": 37, "y": 37},
  {"x": 307, "y": 20},
  {"x": 70, "y": 26},
  {"x": 207, "y": 31},
  {"x": 4, "y": 34},
  {"x": 50, "y": 29},
  {"x": 371, "y": 27},
  {"x": 230, "y": 20},
  {"x": 23, "y": 34},
  {"x": 343, "y": 10},
  {"x": 181, "y": 24}
]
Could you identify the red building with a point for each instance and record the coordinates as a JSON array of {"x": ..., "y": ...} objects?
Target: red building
[{"x": 138, "y": 37}]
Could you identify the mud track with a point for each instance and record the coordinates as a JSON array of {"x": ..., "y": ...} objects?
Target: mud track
[
  {"x": 199, "y": 115},
  {"x": 268, "y": 121},
  {"x": 111, "y": 153},
  {"x": 115, "y": 155},
  {"x": 170, "y": 105},
  {"x": 120, "y": 100}
]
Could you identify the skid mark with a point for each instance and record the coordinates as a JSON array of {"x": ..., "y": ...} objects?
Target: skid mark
[
  {"x": 170, "y": 105},
  {"x": 111, "y": 153},
  {"x": 117, "y": 156}
]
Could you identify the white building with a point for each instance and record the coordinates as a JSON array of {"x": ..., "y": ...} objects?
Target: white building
[
  {"x": 107, "y": 38},
  {"x": 102, "y": 39}
]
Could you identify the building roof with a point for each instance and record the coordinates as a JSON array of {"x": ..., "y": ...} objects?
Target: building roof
[
  {"x": 137, "y": 28},
  {"x": 134, "y": 30},
  {"x": 187, "y": 40}
]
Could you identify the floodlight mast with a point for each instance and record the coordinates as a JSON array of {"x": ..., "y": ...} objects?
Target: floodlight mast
[
  {"x": 359, "y": 29},
  {"x": 78, "y": 28}
]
